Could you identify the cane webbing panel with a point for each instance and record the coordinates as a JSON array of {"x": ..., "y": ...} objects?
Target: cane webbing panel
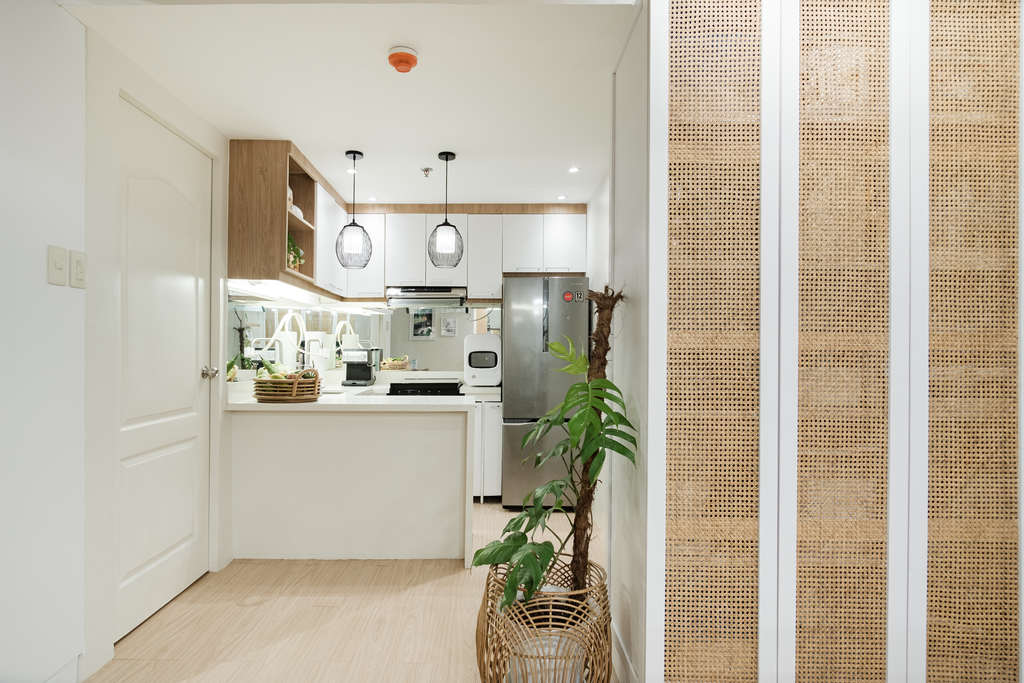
[
  {"x": 842, "y": 431},
  {"x": 712, "y": 365},
  {"x": 972, "y": 431}
]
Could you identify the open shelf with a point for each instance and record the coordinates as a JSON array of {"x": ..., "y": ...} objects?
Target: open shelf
[{"x": 298, "y": 225}]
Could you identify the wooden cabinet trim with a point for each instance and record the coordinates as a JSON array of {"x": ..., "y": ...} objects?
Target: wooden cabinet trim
[{"x": 472, "y": 208}]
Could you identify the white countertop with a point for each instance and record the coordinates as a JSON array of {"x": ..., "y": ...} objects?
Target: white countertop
[{"x": 373, "y": 398}]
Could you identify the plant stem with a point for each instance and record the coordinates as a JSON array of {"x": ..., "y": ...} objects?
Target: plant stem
[{"x": 604, "y": 302}]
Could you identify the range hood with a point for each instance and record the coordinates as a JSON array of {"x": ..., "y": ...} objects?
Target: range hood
[{"x": 426, "y": 297}]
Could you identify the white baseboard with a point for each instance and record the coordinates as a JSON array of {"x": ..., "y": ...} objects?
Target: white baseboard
[
  {"x": 92, "y": 661},
  {"x": 630, "y": 675},
  {"x": 67, "y": 673}
]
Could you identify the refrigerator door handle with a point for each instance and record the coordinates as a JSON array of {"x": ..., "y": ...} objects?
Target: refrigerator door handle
[{"x": 544, "y": 334}]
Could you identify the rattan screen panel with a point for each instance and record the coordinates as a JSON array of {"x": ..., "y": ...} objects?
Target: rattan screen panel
[
  {"x": 972, "y": 439},
  {"x": 713, "y": 366},
  {"x": 842, "y": 431}
]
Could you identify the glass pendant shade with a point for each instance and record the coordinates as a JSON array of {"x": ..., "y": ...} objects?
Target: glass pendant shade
[
  {"x": 444, "y": 246},
  {"x": 353, "y": 246}
]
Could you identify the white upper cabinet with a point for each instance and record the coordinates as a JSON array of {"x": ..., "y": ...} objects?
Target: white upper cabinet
[
  {"x": 565, "y": 242},
  {"x": 330, "y": 217},
  {"x": 447, "y": 277},
  {"x": 406, "y": 250},
  {"x": 522, "y": 243},
  {"x": 484, "y": 255},
  {"x": 368, "y": 282}
]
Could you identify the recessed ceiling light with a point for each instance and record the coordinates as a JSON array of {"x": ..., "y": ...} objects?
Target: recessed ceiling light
[
  {"x": 350, "y": 171},
  {"x": 574, "y": 169},
  {"x": 561, "y": 197}
]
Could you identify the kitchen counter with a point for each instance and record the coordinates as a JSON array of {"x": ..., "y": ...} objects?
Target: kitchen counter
[
  {"x": 355, "y": 475},
  {"x": 371, "y": 398}
]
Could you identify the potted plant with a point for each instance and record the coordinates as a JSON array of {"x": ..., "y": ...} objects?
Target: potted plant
[{"x": 545, "y": 613}]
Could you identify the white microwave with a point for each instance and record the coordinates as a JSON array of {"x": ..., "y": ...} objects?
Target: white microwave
[{"x": 482, "y": 360}]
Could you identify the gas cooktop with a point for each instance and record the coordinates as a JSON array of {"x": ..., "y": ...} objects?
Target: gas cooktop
[{"x": 424, "y": 389}]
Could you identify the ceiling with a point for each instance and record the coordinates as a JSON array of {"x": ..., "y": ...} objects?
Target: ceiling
[{"x": 520, "y": 93}]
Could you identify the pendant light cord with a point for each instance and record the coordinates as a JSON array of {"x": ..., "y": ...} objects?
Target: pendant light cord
[
  {"x": 446, "y": 190},
  {"x": 354, "y": 189}
]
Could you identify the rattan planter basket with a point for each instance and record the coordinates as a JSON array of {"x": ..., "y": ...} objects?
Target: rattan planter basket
[
  {"x": 294, "y": 390},
  {"x": 559, "y": 636}
]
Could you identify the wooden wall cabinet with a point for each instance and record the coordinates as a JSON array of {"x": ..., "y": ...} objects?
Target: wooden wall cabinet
[{"x": 259, "y": 222}]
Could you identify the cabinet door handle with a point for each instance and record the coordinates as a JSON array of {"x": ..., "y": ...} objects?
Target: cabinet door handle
[
  {"x": 527, "y": 269},
  {"x": 565, "y": 268}
]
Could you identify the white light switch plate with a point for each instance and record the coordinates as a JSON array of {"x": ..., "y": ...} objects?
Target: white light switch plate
[
  {"x": 77, "y": 274},
  {"x": 56, "y": 265}
]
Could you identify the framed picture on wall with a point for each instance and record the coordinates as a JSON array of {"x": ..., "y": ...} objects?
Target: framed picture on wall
[
  {"x": 449, "y": 326},
  {"x": 421, "y": 325}
]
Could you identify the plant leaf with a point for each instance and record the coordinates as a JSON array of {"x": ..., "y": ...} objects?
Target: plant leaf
[
  {"x": 619, "y": 434},
  {"x": 614, "y": 445},
  {"x": 558, "y": 350},
  {"x": 595, "y": 466},
  {"x": 497, "y": 552},
  {"x": 515, "y": 524},
  {"x": 602, "y": 383},
  {"x": 609, "y": 396},
  {"x": 526, "y": 571}
]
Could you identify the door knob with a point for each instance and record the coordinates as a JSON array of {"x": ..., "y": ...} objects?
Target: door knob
[{"x": 209, "y": 373}]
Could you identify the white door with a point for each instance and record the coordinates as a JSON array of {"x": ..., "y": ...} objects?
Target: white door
[
  {"x": 522, "y": 243},
  {"x": 483, "y": 252},
  {"x": 405, "y": 249},
  {"x": 565, "y": 242},
  {"x": 163, "y": 437},
  {"x": 368, "y": 282},
  {"x": 448, "y": 277}
]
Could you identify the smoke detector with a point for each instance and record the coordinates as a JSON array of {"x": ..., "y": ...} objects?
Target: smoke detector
[{"x": 403, "y": 58}]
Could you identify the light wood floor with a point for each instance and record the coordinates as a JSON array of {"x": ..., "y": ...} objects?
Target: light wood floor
[{"x": 318, "y": 620}]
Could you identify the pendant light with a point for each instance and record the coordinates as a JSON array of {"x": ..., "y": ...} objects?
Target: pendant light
[
  {"x": 353, "y": 246},
  {"x": 445, "y": 243}
]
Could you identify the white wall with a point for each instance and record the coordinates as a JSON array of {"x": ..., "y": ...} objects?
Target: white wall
[
  {"x": 598, "y": 267},
  {"x": 42, "y": 163},
  {"x": 109, "y": 77},
  {"x": 599, "y": 234},
  {"x": 629, "y": 272}
]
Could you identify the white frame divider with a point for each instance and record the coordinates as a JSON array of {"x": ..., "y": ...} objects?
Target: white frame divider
[
  {"x": 789, "y": 330},
  {"x": 918, "y": 17},
  {"x": 768, "y": 440},
  {"x": 658, "y": 27},
  {"x": 899, "y": 341}
]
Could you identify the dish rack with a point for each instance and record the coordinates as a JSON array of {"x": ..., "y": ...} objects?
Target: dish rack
[{"x": 293, "y": 390}]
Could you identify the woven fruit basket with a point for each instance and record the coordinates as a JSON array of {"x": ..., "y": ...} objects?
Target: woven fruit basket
[
  {"x": 300, "y": 387},
  {"x": 400, "y": 363}
]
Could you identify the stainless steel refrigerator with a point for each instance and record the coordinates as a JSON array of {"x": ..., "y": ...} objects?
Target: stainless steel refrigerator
[{"x": 535, "y": 311}]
